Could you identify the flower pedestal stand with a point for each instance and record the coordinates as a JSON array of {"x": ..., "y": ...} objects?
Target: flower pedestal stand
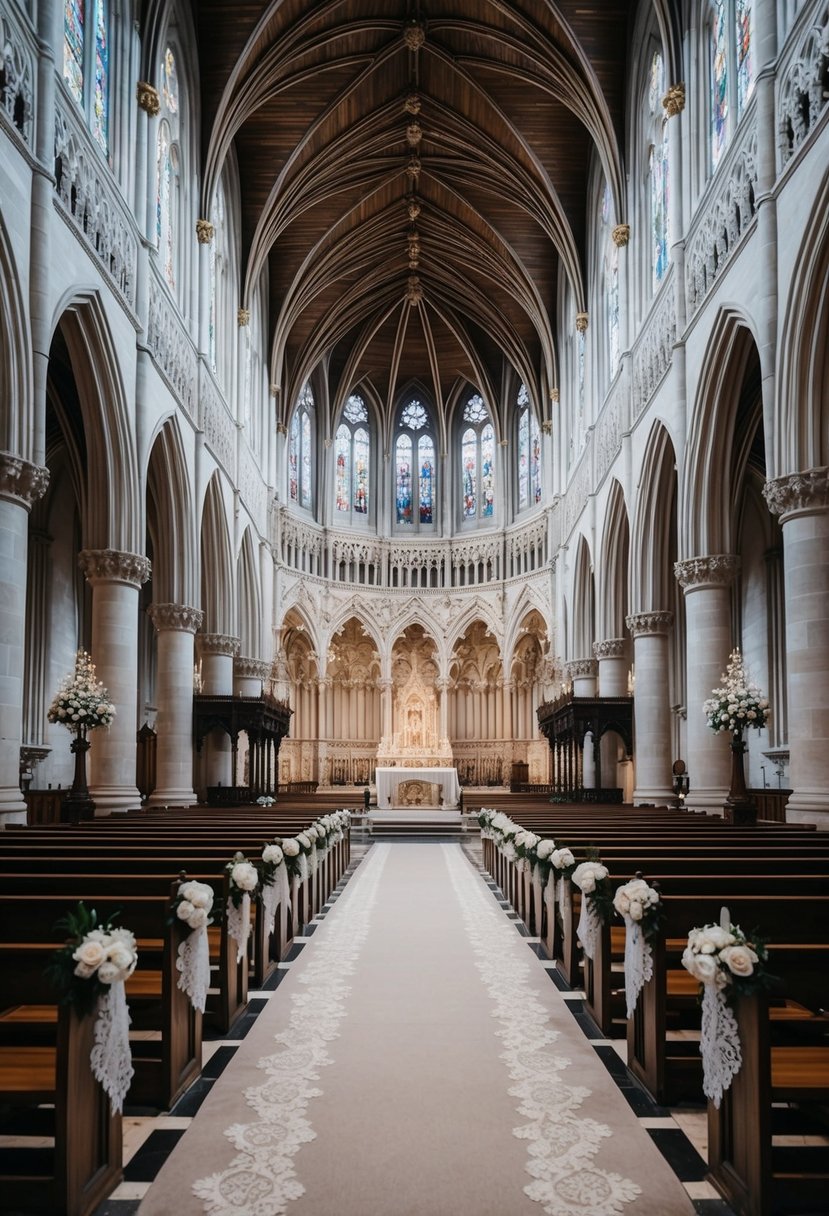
[
  {"x": 77, "y": 805},
  {"x": 740, "y": 808}
]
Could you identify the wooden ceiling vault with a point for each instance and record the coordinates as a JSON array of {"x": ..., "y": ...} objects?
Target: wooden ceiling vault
[{"x": 413, "y": 175}]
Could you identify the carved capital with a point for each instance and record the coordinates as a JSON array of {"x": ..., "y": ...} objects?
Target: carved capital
[
  {"x": 147, "y": 97},
  {"x": 275, "y": 390},
  {"x": 582, "y": 669},
  {"x": 715, "y": 571},
  {"x": 20, "y": 481},
  {"x": 281, "y": 428},
  {"x": 242, "y": 317},
  {"x": 111, "y": 566},
  {"x": 412, "y": 104},
  {"x": 649, "y": 624},
  {"x": 179, "y": 617},
  {"x": 610, "y": 648},
  {"x": 581, "y": 322},
  {"x": 674, "y": 100},
  {"x": 251, "y": 669},
  {"x": 414, "y": 35},
  {"x": 621, "y": 235},
  {"x": 547, "y": 427},
  {"x": 204, "y": 232},
  {"x": 555, "y": 395},
  {"x": 798, "y": 493},
  {"x": 217, "y": 643}
]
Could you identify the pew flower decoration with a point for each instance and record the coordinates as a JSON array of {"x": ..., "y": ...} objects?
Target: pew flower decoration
[
  {"x": 82, "y": 703},
  {"x": 90, "y": 971},
  {"x": 738, "y": 704},
  {"x": 485, "y": 818},
  {"x": 591, "y": 877},
  {"x": 265, "y": 800},
  {"x": 243, "y": 879},
  {"x": 728, "y": 964},
  {"x": 192, "y": 905},
  {"x": 275, "y": 884},
  {"x": 639, "y": 905}
]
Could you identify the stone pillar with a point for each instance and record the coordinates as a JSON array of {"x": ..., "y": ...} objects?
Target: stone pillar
[
  {"x": 611, "y": 656},
  {"x": 21, "y": 484},
  {"x": 706, "y": 582},
  {"x": 651, "y": 711},
  {"x": 583, "y": 673},
  {"x": 204, "y": 235},
  {"x": 115, "y": 579},
  {"x": 175, "y": 625},
  {"x": 443, "y": 712},
  {"x": 249, "y": 676},
  {"x": 802, "y": 502},
  {"x": 217, "y": 652},
  {"x": 386, "y": 686}
]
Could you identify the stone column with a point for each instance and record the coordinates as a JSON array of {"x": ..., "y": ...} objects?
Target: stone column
[
  {"x": 583, "y": 673},
  {"x": 802, "y": 502},
  {"x": 386, "y": 686},
  {"x": 443, "y": 713},
  {"x": 611, "y": 655},
  {"x": 217, "y": 652},
  {"x": 706, "y": 582},
  {"x": 204, "y": 235},
  {"x": 175, "y": 625},
  {"x": 249, "y": 676},
  {"x": 115, "y": 579},
  {"x": 21, "y": 484},
  {"x": 651, "y": 711}
]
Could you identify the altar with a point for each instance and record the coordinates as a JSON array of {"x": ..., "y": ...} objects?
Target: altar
[{"x": 388, "y": 779}]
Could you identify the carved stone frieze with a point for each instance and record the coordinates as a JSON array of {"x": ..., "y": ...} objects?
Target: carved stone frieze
[
  {"x": 610, "y": 648},
  {"x": 179, "y": 617},
  {"x": 17, "y": 77},
  {"x": 802, "y": 89},
  {"x": 247, "y": 668},
  {"x": 715, "y": 571},
  {"x": 147, "y": 97},
  {"x": 648, "y": 624},
  {"x": 581, "y": 669},
  {"x": 798, "y": 493},
  {"x": 204, "y": 232},
  {"x": 621, "y": 235},
  {"x": 21, "y": 481},
  {"x": 218, "y": 643},
  {"x": 113, "y": 566}
]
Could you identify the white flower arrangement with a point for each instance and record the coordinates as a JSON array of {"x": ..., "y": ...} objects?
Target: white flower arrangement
[
  {"x": 272, "y": 856},
  {"x": 727, "y": 964},
  {"x": 265, "y": 800},
  {"x": 194, "y": 903},
  {"x": 82, "y": 703},
  {"x": 563, "y": 859},
  {"x": 544, "y": 849},
  {"x": 639, "y": 904},
  {"x": 243, "y": 880},
  {"x": 291, "y": 847},
  {"x": 591, "y": 877},
  {"x": 108, "y": 955},
  {"x": 635, "y": 900},
  {"x": 588, "y": 875},
  {"x": 738, "y": 704}
]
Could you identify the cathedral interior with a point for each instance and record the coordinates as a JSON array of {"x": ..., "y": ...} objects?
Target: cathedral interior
[{"x": 422, "y": 368}]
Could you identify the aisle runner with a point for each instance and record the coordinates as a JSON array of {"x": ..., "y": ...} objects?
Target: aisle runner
[
  {"x": 563, "y": 1143},
  {"x": 262, "y": 1177}
]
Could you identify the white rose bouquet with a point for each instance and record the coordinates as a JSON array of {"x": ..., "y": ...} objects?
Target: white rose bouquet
[
  {"x": 727, "y": 964},
  {"x": 738, "y": 704},
  {"x": 90, "y": 971},
  {"x": 275, "y": 884},
  {"x": 265, "y": 800},
  {"x": 591, "y": 877},
  {"x": 243, "y": 881},
  {"x": 82, "y": 703},
  {"x": 640, "y": 906},
  {"x": 192, "y": 905}
]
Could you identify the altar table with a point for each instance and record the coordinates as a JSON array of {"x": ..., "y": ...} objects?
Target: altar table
[{"x": 388, "y": 779}]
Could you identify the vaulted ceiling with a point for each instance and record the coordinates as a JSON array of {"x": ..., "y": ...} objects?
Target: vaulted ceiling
[{"x": 414, "y": 177}]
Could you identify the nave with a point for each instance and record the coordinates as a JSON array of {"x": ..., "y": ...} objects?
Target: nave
[{"x": 415, "y": 1060}]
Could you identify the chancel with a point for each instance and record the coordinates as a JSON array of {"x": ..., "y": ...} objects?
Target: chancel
[{"x": 414, "y": 523}]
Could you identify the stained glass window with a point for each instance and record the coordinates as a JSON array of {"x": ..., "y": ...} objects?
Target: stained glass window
[
  {"x": 611, "y": 283},
  {"x": 535, "y": 459},
  {"x": 414, "y": 416},
  {"x": 487, "y": 471},
  {"x": 100, "y": 99},
  {"x": 469, "y": 460},
  {"x": 305, "y": 469},
  {"x": 475, "y": 410},
  {"x": 658, "y": 173},
  {"x": 217, "y": 271},
  {"x": 403, "y": 479},
  {"x": 169, "y": 84},
  {"x": 745, "y": 60},
  {"x": 719, "y": 82},
  {"x": 426, "y": 464},
  {"x": 356, "y": 409},
  {"x": 362, "y": 455},
  {"x": 293, "y": 460},
  {"x": 73, "y": 24},
  {"x": 524, "y": 459},
  {"x": 167, "y": 182},
  {"x": 342, "y": 476}
]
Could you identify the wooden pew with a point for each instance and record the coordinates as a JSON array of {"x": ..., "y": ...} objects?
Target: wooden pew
[{"x": 86, "y": 1163}]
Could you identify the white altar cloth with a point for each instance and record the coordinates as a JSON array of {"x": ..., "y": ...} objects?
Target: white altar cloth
[{"x": 388, "y": 779}]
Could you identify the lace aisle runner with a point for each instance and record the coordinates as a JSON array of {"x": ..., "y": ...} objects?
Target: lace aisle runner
[
  {"x": 562, "y": 1144},
  {"x": 261, "y": 1178}
]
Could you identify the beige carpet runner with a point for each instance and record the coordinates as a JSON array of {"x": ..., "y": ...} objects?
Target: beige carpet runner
[{"x": 416, "y": 1061}]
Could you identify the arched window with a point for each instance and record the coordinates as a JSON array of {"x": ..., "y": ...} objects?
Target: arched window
[
  {"x": 529, "y": 453},
  {"x": 610, "y": 274},
  {"x": 352, "y": 453},
  {"x": 168, "y": 170},
  {"x": 477, "y": 462},
  {"x": 730, "y": 31},
  {"x": 414, "y": 468},
  {"x": 86, "y": 63},
  {"x": 658, "y": 170},
  {"x": 300, "y": 453}
]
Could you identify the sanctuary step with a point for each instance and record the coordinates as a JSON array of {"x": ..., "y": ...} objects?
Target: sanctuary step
[{"x": 426, "y": 824}]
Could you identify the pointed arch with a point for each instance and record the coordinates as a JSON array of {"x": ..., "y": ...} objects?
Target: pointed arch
[
  {"x": 170, "y": 517},
  {"x": 584, "y": 604},
  {"x": 614, "y": 561},
  {"x": 217, "y": 567},
  {"x": 17, "y": 429},
  {"x": 651, "y": 572},
  {"x": 249, "y": 599}
]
